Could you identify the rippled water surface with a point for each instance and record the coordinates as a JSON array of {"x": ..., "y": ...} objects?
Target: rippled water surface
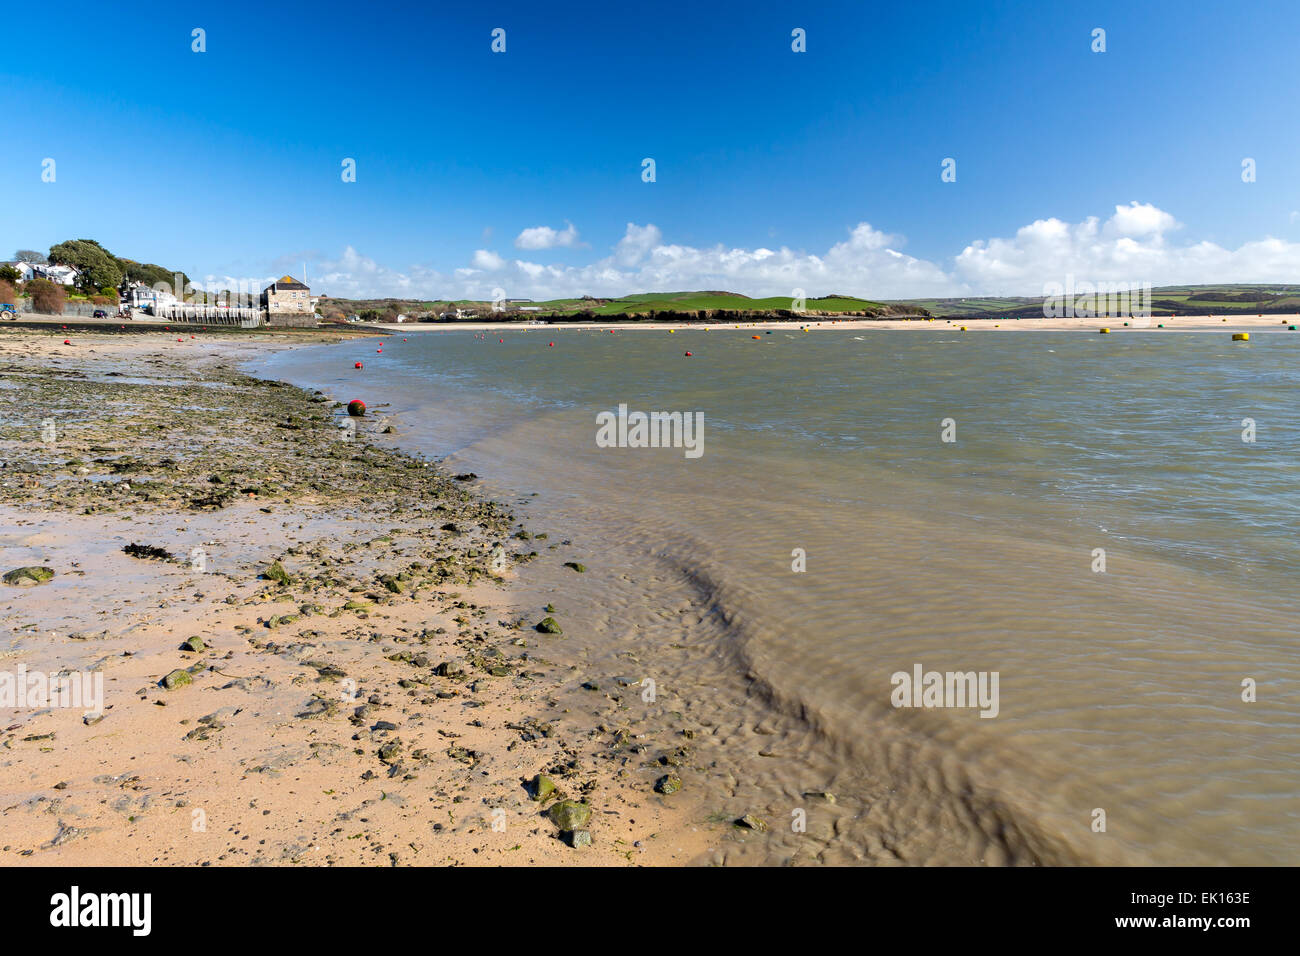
[{"x": 1119, "y": 691}]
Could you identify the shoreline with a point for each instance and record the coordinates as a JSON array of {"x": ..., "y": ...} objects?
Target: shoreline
[
  {"x": 1190, "y": 323},
  {"x": 805, "y": 739},
  {"x": 389, "y": 705},
  {"x": 724, "y": 689},
  {"x": 578, "y": 709},
  {"x": 35, "y": 323}
]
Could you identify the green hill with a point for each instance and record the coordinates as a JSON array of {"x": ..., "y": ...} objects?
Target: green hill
[
  {"x": 677, "y": 306},
  {"x": 1224, "y": 300}
]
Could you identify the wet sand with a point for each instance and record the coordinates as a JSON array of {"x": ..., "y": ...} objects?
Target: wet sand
[{"x": 389, "y": 704}]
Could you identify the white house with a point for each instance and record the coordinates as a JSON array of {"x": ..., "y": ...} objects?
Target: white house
[
  {"x": 141, "y": 296},
  {"x": 24, "y": 270},
  {"x": 59, "y": 275}
]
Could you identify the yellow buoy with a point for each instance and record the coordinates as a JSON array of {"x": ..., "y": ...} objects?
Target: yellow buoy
[
  {"x": 1104, "y": 331},
  {"x": 963, "y": 328},
  {"x": 1241, "y": 336}
]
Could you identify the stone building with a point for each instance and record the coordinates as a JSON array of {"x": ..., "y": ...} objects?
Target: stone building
[{"x": 288, "y": 302}]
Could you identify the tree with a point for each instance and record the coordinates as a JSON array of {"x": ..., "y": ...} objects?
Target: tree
[
  {"x": 46, "y": 296},
  {"x": 151, "y": 275},
  {"x": 30, "y": 255},
  {"x": 97, "y": 267},
  {"x": 9, "y": 274}
]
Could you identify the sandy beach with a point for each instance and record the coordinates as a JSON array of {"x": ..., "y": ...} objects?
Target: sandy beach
[
  {"x": 384, "y": 701},
  {"x": 356, "y": 641}
]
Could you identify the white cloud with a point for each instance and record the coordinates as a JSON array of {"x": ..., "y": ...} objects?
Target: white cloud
[
  {"x": 487, "y": 260},
  {"x": 1140, "y": 219},
  {"x": 544, "y": 237},
  {"x": 350, "y": 276},
  {"x": 636, "y": 243},
  {"x": 1131, "y": 246},
  {"x": 1135, "y": 245},
  {"x": 643, "y": 262}
]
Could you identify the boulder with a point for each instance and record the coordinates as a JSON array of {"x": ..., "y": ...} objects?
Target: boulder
[
  {"x": 570, "y": 815},
  {"x": 177, "y": 678},
  {"x": 28, "y": 577}
]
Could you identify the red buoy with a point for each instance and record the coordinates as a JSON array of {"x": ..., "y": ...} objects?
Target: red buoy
[
  {"x": 378, "y": 350},
  {"x": 358, "y": 365},
  {"x": 356, "y": 407},
  {"x": 550, "y": 344},
  {"x": 688, "y": 354}
]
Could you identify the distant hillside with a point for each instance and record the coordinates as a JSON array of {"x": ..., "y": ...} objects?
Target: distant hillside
[
  {"x": 668, "y": 306},
  {"x": 1165, "y": 300},
  {"x": 699, "y": 302},
  {"x": 725, "y": 306}
]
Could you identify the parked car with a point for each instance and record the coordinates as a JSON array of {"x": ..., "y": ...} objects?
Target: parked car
[{"x": 100, "y": 314}]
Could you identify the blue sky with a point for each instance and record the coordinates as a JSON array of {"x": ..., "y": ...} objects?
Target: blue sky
[{"x": 774, "y": 169}]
